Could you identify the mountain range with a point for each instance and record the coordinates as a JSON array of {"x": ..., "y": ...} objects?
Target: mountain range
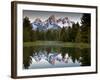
[{"x": 51, "y": 23}]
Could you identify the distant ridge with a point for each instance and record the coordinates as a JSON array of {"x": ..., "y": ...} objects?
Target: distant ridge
[{"x": 51, "y": 23}]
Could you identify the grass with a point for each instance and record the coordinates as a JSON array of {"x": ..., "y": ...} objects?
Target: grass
[{"x": 56, "y": 43}]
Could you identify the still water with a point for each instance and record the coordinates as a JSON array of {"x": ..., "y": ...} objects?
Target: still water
[{"x": 38, "y": 57}]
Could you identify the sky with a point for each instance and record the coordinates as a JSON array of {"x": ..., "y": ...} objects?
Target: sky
[{"x": 43, "y": 15}]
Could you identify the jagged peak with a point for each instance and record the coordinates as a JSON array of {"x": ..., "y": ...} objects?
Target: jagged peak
[
  {"x": 37, "y": 20},
  {"x": 52, "y": 22}
]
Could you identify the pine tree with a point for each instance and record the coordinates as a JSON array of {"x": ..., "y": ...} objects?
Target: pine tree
[
  {"x": 78, "y": 37},
  {"x": 63, "y": 34},
  {"x": 27, "y": 30},
  {"x": 85, "y": 28},
  {"x": 75, "y": 28}
]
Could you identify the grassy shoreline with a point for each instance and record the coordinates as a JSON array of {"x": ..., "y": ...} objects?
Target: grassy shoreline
[{"x": 56, "y": 43}]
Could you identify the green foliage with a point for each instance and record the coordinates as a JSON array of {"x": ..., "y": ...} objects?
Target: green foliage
[
  {"x": 75, "y": 28},
  {"x": 85, "y": 28},
  {"x": 86, "y": 20},
  {"x": 28, "y": 33},
  {"x": 68, "y": 33},
  {"x": 86, "y": 58},
  {"x": 26, "y": 23},
  {"x": 26, "y": 29},
  {"x": 33, "y": 36},
  {"x": 63, "y": 34},
  {"x": 28, "y": 51},
  {"x": 76, "y": 33},
  {"x": 78, "y": 36}
]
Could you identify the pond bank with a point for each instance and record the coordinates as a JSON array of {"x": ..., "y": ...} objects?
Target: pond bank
[{"x": 56, "y": 43}]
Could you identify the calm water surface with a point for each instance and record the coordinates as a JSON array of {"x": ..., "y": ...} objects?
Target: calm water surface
[{"x": 38, "y": 57}]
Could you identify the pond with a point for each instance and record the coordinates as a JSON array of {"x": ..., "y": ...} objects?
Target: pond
[{"x": 37, "y": 57}]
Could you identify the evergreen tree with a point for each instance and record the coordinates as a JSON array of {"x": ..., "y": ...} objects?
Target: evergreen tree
[
  {"x": 37, "y": 34},
  {"x": 48, "y": 35},
  {"x": 69, "y": 34},
  {"x": 27, "y": 28},
  {"x": 85, "y": 28},
  {"x": 75, "y": 28},
  {"x": 78, "y": 34},
  {"x": 63, "y": 36},
  {"x": 33, "y": 35},
  {"x": 78, "y": 37}
]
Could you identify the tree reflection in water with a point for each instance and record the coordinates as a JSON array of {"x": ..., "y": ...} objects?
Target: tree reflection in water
[{"x": 55, "y": 54}]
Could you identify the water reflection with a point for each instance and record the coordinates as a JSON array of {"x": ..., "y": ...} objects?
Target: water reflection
[{"x": 52, "y": 57}]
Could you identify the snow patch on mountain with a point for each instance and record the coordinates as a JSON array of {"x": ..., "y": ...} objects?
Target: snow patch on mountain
[{"x": 51, "y": 23}]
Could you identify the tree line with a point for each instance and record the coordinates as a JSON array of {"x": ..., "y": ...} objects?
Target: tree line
[{"x": 76, "y": 33}]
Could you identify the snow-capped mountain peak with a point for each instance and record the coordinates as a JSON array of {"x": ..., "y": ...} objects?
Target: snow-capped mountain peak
[{"x": 51, "y": 23}]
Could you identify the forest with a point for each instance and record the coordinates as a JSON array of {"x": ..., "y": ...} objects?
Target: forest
[{"x": 76, "y": 33}]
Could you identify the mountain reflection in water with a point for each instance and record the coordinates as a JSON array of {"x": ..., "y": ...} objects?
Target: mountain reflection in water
[{"x": 55, "y": 57}]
